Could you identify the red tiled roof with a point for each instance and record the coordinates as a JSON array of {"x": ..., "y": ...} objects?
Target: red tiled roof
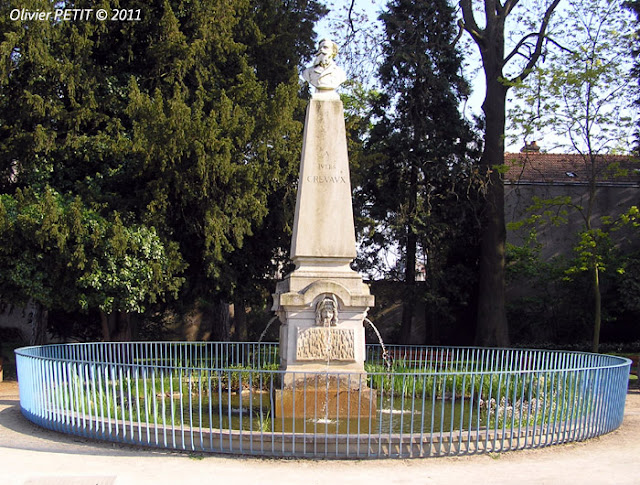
[{"x": 570, "y": 168}]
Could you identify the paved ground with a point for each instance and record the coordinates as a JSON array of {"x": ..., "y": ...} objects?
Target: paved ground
[{"x": 30, "y": 455}]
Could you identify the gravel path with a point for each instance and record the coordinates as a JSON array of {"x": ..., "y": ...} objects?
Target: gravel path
[{"x": 30, "y": 455}]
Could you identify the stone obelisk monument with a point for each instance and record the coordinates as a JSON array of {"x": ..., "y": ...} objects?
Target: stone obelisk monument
[{"x": 323, "y": 302}]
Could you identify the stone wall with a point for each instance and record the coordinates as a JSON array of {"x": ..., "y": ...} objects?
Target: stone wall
[{"x": 611, "y": 200}]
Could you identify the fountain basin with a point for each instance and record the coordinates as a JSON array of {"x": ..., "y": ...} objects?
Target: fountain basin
[
  {"x": 322, "y": 397},
  {"x": 223, "y": 397}
]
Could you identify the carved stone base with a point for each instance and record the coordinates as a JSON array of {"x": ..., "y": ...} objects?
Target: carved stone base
[
  {"x": 314, "y": 398},
  {"x": 325, "y": 344},
  {"x": 307, "y": 345}
]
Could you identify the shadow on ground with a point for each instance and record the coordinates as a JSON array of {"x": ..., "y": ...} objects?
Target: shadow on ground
[{"x": 17, "y": 432}]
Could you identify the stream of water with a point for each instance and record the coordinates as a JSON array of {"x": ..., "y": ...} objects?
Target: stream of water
[
  {"x": 385, "y": 353},
  {"x": 264, "y": 332}
]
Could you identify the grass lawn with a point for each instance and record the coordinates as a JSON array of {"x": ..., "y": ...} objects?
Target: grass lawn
[{"x": 635, "y": 368}]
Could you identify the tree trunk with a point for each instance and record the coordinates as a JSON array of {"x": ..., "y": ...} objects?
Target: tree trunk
[
  {"x": 432, "y": 287},
  {"x": 597, "y": 309},
  {"x": 106, "y": 327},
  {"x": 597, "y": 295},
  {"x": 492, "y": 329},
  {"x": 240, "y": 331},
  {"x": 221, "y": 325},
  {"x": 39, "y": 323},
  {"x": 431, "y": 330},
  {"x": 116, "y": 326},
  {"x": 410, "y": 258}
]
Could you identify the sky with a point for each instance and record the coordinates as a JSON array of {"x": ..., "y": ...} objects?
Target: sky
[
  {"x": 366, "y": 13},
  {"x": 370, "y": 9}
]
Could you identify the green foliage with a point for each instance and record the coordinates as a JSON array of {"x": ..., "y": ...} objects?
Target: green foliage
[
  {"x": 127, "y": 277},
  {"x": 596, "y": 248},
  {"x": 64, "y": 255},
  {"x": 592, "y": 249},
  {"x": 185, "y": 124},
  {"x": 502, "y": 400},
  {"x": 414, "y": 175},
  {"x": 240, "y": 377},
  {"x": 418, "y": 127},
  {"x": 634, "y": 6},
  {"x": 552, "y": 211},
  {"x": 581, "y": 93},
  {"x": 558, "y": 302},
  {"x": 629, "y": 288}
]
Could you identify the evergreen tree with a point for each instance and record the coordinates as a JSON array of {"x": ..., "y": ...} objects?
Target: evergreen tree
[
  {"x": 185, "y": 121},
  {"x": 421, "y": 144},
  {"x": 63, "y": 255}
]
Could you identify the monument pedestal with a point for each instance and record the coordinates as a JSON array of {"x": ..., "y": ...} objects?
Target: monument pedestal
[
  {"x": 324, "y": 365},
  {"x": 323, "y": 302}
]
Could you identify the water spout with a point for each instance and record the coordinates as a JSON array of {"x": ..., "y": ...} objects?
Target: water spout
[
  {"x": 385, "y": 353},
  {"x": 266, "y": 328}
]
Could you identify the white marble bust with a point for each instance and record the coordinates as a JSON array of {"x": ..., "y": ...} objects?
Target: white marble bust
[{"x": 325, "y": 75}]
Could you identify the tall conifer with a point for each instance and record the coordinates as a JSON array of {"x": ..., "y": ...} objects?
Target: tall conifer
[
  {"x": 185, "y": 121},
  {"x": 421, "y": 138}
]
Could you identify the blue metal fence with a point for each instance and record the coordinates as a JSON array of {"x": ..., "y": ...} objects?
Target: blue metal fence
[{"x": 228, "y": 397}]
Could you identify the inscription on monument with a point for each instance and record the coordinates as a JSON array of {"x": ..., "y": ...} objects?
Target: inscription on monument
[
  {"x": 327, "y": 174},
  {"x": 323, "y": 343},
  {"x": 326, "y": 179}
]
